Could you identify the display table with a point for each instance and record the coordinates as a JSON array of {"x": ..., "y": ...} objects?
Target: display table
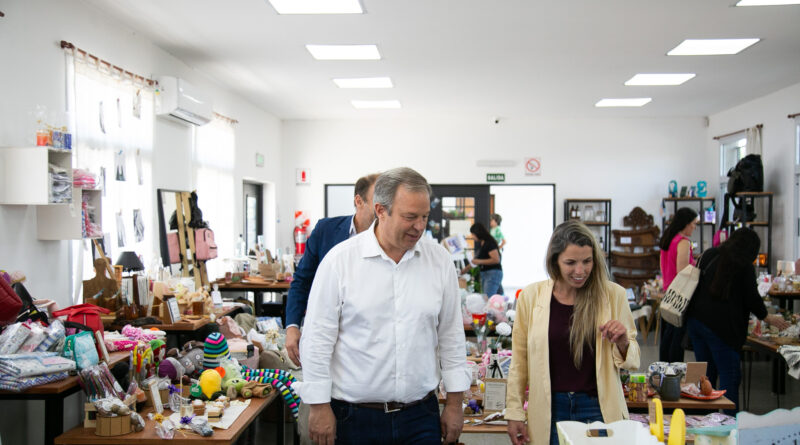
[
  {"x": 53, "y": 395},
  {"x": 183, "y": 327},
  {"x": 784, "y": 298},
  {"x": 687, "y": 404},
  {"x": 779, "y": 369},
  {"x": 80, "y": 435},
  {"x": 259, "y": 287}
]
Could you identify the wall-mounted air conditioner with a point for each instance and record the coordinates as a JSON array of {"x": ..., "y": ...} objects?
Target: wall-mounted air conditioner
[{"x": 179, "y": 99}]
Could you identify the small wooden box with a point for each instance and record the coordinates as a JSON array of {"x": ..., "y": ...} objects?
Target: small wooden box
[
  {"x": 113, "y": 426},
  {"x": 90, "y": 413},
  {"x": 164, "y": 398}
]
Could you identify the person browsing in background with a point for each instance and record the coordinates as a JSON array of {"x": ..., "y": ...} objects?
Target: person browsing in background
[
  {"x": 497, "y": 234},
  {"x": 488, "y": 259},
  {"x": 676, "y": 254},
  {"x": 383, "y": 327},
  {"x": 719, "y": 312},
  {"x": 572, "y": 335},
  {"x": 327, "y": 233}
]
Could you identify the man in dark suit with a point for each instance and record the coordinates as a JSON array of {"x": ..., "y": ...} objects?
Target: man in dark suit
[{"x": 327, "y": 233}]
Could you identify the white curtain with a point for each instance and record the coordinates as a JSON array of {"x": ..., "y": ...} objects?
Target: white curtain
[
  {"x": 754, "y": 141},
  {"x": 113, "y": 121},
  {"x": 214, "y": 157}
]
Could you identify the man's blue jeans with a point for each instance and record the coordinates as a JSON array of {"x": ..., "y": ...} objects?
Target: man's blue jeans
[
  {"x": 577, "y": 406},
  {"x": 490, "y": 281},
  {"x": 418, "y": 424},
  {"x": 723, "y": 360}
]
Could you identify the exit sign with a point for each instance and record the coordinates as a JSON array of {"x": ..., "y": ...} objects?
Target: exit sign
[{"x": 495, "y": 177}]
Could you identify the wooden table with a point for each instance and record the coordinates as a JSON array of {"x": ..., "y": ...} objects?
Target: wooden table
[
  {"x": 779, "y": 369},
  {"x": 183, "y": 327},
  {"x": 688, "y": 404},
  {"x": 86, "y": 436},
  {"x": 53, "y": 395},
  {"x": 784, "y": 297},
  {"x": 259, "y": 287}
]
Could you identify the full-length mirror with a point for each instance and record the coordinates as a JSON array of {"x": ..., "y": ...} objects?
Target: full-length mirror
[{"x": 167, "y": 204}]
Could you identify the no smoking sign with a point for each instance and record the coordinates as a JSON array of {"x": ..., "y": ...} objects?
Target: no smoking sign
[{"x": 533, "y": 167}]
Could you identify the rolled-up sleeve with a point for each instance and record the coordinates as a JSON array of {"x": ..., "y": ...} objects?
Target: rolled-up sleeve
[
  {"x": 518, "y": 374},
  {"x": 452, "y": 353},
  {"x": 320, "y": 333}
]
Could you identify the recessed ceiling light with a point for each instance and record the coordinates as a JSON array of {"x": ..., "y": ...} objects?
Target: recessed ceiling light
[
  {"x": 375, "y": 104},
  {"x": 767, "y": 2},
  {"x": 344, "y": 52},
  {"x": 364, "y": 82},
  {"x": 633, "y": 102},
  {"x": 711, "y": 47},
  {"x": 317, "y": 6},
  {"x": 659, "y": 79}
]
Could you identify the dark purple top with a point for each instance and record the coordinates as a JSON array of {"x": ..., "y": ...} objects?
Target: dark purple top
[{"x": 564, "y": 377}]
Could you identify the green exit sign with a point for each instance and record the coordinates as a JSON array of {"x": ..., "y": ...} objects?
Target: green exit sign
[{"x": 495, "y": 177}]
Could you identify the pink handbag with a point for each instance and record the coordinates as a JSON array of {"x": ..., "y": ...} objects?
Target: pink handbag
[{"x": 204, "y": 245}]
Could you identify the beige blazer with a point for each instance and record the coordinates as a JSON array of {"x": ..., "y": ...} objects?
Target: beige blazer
[{"x": 530, "y": 364}]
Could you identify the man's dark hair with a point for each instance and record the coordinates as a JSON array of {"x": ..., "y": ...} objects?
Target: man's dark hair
[{"x": 363, "y": 184}]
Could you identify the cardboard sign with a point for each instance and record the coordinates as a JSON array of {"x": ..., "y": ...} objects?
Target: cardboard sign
[{"x": 494, "y": 397}]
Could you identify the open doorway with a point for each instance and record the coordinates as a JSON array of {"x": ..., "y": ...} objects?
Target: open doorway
[{"x": 253, "y": 206}]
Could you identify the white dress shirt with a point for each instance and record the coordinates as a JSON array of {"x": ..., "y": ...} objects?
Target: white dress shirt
[{"x": 380, "y": 331}]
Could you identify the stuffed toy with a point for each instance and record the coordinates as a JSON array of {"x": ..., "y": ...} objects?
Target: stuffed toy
[
  {"x": 190, "y": 357},
  {"x": 497, "y": 308},
  {"x": 280, "y": 380},
  {"x": 159, "y": 348},
  {"x": 215, "y": 349},
  {"x": 211, "y": 383},
  {"x": 233, "y": 382},
  {"x": 172, "y": 369}
]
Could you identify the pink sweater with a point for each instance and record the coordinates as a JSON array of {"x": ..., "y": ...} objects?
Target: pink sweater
[{"x": 669, "y": 260}]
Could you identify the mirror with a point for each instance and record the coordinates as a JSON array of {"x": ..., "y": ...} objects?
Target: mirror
[{"x": 167, "y": 203}]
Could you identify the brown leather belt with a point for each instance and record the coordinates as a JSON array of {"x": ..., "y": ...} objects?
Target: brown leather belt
[{"x": 390, "y": 407}]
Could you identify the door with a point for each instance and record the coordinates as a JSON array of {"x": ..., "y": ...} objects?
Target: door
[
  {"x": 454, "y": 208},
  {"x": 253, "y": 214}
]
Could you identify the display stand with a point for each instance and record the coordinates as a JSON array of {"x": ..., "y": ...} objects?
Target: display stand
[
  {"x": 764, "y": 221},
  {"x": 700, "y": 208},
  {"x": 186, "y": 241},
  {"x": 636, "y": 255},
  {"x": 600, "y": 217}
]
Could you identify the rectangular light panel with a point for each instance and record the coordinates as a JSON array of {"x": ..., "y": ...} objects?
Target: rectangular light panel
[
  {"x": 317, "y": 6},
  {"x": 344, "y": 52},
  {"x": 632, "y": 102},
  {"x": 768, "y": 2},
  {"x": 376, "y": 104},
  {"x": 711, "y": 47},
  {"x": 364, "y": 82},
  {"x": 659, "y": 79}
]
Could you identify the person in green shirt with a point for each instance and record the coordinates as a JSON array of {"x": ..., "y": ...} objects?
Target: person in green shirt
[{"x": 497, "y": 234}]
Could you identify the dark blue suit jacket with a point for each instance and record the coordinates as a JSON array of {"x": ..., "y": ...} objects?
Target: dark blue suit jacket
[{"x": 327, "y": 233}]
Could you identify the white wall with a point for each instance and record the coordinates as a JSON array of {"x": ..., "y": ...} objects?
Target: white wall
[
  {"x": 34, "y": 73},
  {"x": 629, "y": 160},
  {"x": 778, "y": 141}
]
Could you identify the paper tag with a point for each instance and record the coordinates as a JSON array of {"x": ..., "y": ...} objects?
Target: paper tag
[
  {"x": 156, "y": 397},
  {"x": 625, "y": 240}
]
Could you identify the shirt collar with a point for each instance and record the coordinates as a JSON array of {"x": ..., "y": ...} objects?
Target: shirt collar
[
  {"x": 352, "y": 232},
  {"x": 371, "y": 248}
]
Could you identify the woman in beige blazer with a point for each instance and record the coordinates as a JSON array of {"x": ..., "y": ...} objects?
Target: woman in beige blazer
[{"x": 571, "y": 336}]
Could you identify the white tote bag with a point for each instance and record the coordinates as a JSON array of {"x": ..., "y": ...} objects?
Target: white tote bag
[{"x": 679, "y": 294}]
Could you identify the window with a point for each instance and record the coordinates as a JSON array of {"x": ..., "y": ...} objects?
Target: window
[
  {"x": 797, "y": 186},
  {"x": 731, "y": 150}
]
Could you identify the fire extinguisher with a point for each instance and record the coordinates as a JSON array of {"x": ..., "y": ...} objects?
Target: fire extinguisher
[{"x": 300, "y": 234}]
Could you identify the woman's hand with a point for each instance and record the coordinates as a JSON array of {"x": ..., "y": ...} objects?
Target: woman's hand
[
  {"x": 615, "y": 332},
  {"x": 518, "y": 432},
  {"x": 777, "y": 321}
]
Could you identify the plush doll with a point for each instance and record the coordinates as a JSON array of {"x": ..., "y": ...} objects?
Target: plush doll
[
  {"x": 190, "y": 357},
  {"x": 215, "y": 349},
  {"x": 159, "y": 348},
  {"x": 211, "y": 383},
  {"x": 233, "y": 382}
]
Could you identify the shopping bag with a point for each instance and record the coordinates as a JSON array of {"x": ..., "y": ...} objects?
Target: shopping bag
[{"x": 678, "y": 296}]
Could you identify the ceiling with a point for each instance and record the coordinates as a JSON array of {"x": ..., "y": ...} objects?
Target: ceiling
[{"x": 470, "y": 58}]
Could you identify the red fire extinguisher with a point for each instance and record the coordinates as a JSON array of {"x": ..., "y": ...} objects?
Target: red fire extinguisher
[{"x": 300, "y": 233}]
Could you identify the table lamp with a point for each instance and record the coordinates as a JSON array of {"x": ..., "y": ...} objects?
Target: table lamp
[{"x": 131, "y": 263}]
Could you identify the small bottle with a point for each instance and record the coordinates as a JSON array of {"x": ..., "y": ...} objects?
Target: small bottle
[{"x": 602, "y": 244}]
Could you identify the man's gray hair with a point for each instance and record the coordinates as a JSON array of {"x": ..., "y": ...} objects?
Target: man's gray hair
[{"x": 388, "y": 182}]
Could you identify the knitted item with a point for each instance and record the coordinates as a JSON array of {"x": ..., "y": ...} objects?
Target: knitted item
[
  {"x": 216, "y": 348},
  {"x": 281, "y": 380}
]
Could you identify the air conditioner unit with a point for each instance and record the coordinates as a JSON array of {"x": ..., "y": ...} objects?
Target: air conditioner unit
[{"x": 179, "y": 99}]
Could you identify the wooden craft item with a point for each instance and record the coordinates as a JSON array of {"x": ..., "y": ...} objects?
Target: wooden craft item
[{"x": 103, "y": 283}]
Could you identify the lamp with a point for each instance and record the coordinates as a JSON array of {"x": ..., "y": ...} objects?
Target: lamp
[{"x": 129, "y": 262}]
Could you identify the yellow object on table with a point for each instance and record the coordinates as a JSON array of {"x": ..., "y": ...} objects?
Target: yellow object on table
[
  {"x": 677, "y": 428},
  {"x": 656, "y": 419}
]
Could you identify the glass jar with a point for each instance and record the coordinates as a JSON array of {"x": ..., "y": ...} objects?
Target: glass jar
[{"x": 588, "y": 213}]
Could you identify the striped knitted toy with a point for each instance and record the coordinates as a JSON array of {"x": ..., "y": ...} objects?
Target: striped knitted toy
[
  {"x": 281, "y": 380},
  {"x": 215, "y": 349}
]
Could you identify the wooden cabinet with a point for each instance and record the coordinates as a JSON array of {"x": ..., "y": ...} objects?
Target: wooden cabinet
[
  {"x": 594, "y": 213},
  {"x": 636, "y": 259},
  {"x": 25, "y": 175}
]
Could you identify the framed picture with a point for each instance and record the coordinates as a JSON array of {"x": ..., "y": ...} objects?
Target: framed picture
[
  {"x": 173, "y": 309},
  {"x": 494, "y": 397}
]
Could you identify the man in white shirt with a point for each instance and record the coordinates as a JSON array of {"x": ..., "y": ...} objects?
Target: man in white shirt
[{"x": 383, "y": 326}]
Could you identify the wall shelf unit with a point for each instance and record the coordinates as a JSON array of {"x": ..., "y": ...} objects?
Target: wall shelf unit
[
  {"x": 594, "y": 213},
  {"x": 25, "y": 177},
  {"x": 699, "y": 205},
  {"x": 761, "y": 203},
  {"x": 63, "y": 222}
]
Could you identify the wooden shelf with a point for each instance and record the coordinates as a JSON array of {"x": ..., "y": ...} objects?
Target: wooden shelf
[
  {"x": 746, "y": 194},
  {"x": 691, "y": 198}
]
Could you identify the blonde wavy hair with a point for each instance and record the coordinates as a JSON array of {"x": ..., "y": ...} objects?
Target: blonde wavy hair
[{"x": 583, "y": 326}]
